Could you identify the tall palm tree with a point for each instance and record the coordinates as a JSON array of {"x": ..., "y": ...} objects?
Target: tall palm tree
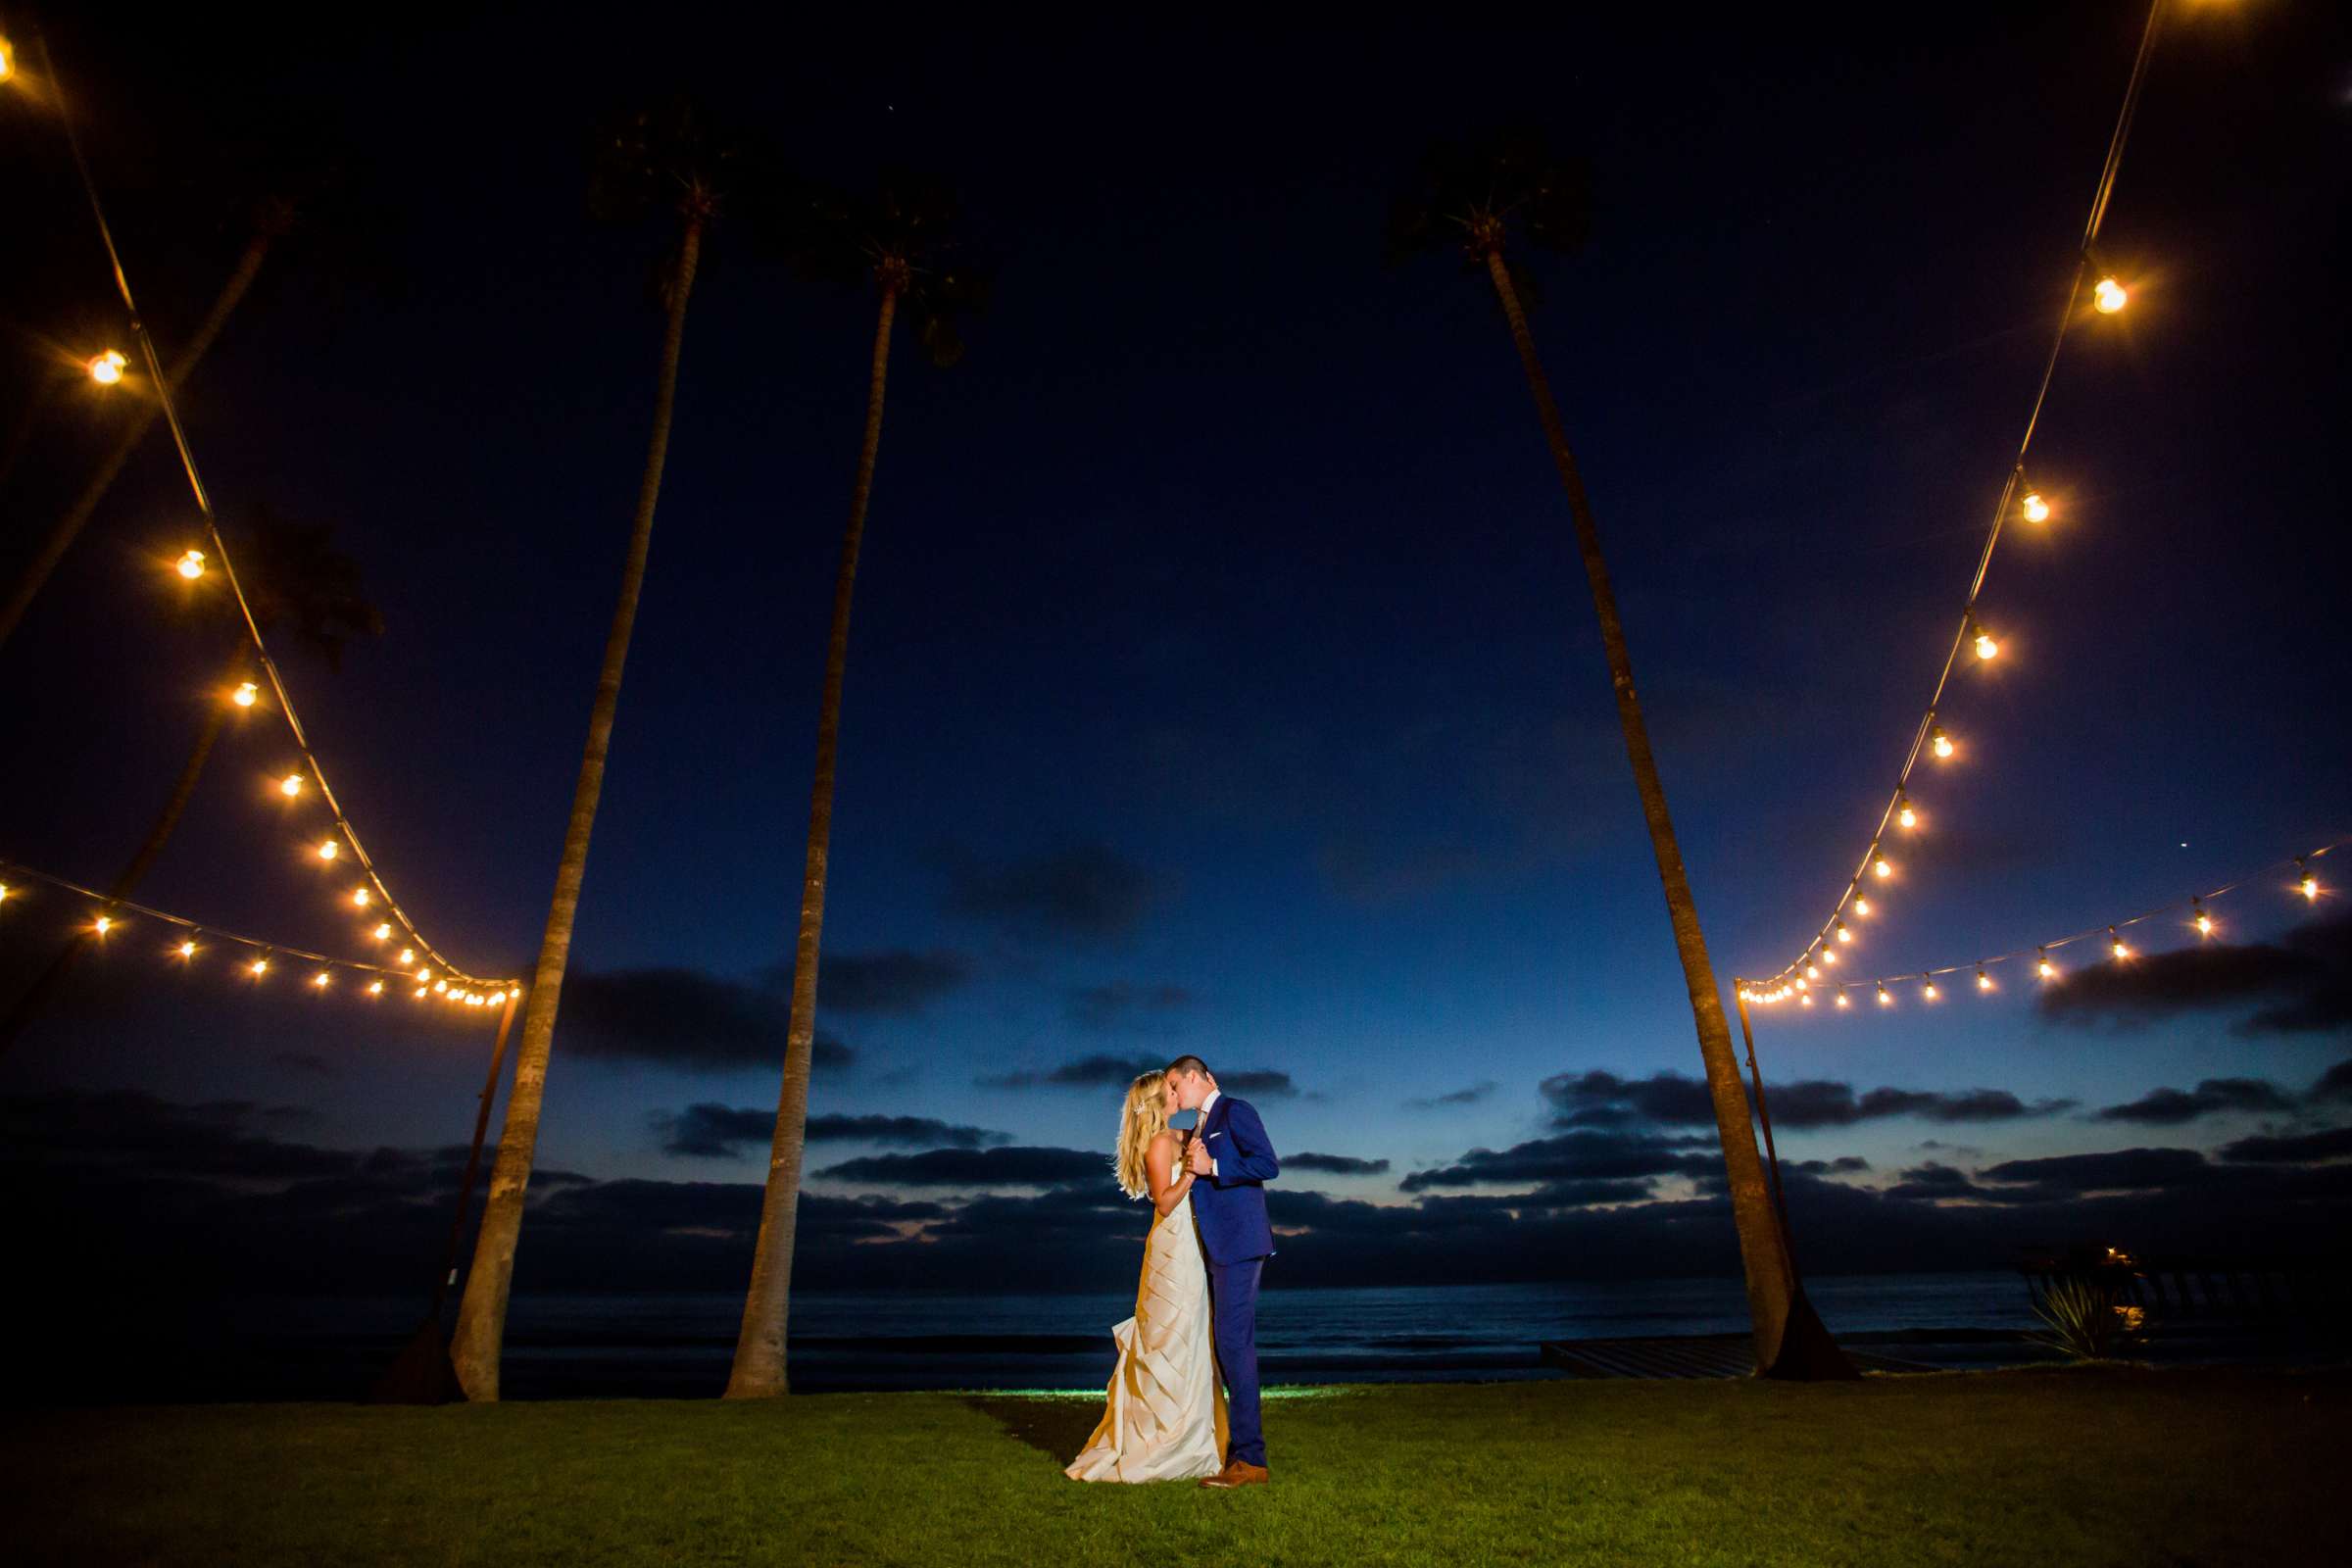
[
  {"x": 673, "y": 163},
  {"x": 1477, "y": 200},
  {"x": 904, "y": 241},
  {"x": 298, "y": 582}
]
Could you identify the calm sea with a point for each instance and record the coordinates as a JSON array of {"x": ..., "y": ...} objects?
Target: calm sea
[{"x": 680, "y": 1346}]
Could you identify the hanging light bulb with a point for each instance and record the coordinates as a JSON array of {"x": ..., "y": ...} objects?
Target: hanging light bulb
[
  {"x": 381, "y": 932},
  {"x": 421, "y": 992},
  {"x": 424, "y": 974},
  {"x": 441, "y": 986},
  {"x": 1927, "y": 987},
  {"x": 2115, "y": 945},
  {"x": 2200, "y": 919},
  {"x": 376, "y": 988},
  {"x": 1842, "y": 1000},
  {"x": 1984, "y": 980},
  {"x": 1880, "y": 866},
  {"x": 186, "y": 950},
  {"x": 4, "y": 892},
  {"x": 320, "y": 980},
  {"x": 257, "y": 968},
  {"x": 1844, "y": 935},
  {"x": 2309, "y": 885},
  {"x": 8, "y": 60},
  {"x": 103, "y": 924},
  {"x": 2108, "y": 295},
  {"x": 290, "y": 786},
  {"x": 1986, "y": 647},
  {"x": 106, "y": 368},
  {"x": 1804, "y": 1002},
  {"x": 408, "y": 956},
  {"x": 1812, "y": 972},
  {"x": 1885, "y": 1001},
  {"x": 361, "y": 897},
  {"x": 327, "y": 849},
  {"x": 1829, "y": 954},
  {"x": 2047, "y": 970},
  {"x": 496, "y": 997},
  {"x": 1861, "y": 905},
  {"x": 2034, "y": 508},
  {"x": 1799, "y": 982},
  {"x": 1905, "y": 815},
  {"x": 246, "y": 695},
  {"x": 190, "y": 565},
  {"x": 1939, "y": 743}
]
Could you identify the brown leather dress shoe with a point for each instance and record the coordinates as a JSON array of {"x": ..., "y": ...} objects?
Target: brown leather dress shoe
[{"x": 1238, "y": 1473}]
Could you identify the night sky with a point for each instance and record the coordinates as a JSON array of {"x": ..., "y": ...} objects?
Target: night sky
[{"x": 1222, "y": 678}]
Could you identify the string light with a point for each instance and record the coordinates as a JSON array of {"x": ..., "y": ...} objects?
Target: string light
[
  {"x": 186, "y": 950},
  {"x": 408, "y": 956},
  {"x": 258, "y": 967},
  {"x": 191, "y": 564},
  {"x": 382, "y": 932},
  {"x": 328, "y": 850},
  {"x": 320, "y": 980},
  {"x": 1882, "y": 868},
  {"x": 1986, "y": 647},
  {"x": 1842, "y": 1000},
  {"x": 1804, "y": 1002},
  {"x": 359, "y": 897},
  {"x": 290, "y": 786},
  {"x": 1830, "y": 955},
  {"x": 376, "y": 988},
  {"x": 2034, "y": 508},
  {"x": 2043, "y": 966},
  {"x": 4, "y": 892},
  {"x": 106, "y": 368},
  {"x": 2200, "y": 919},
  {"x": 1861, "y": 905},
  {"x": 1939, "y": 743},
  {"x": 103, "y": 924},
  {"x": 2109, "y": 296},
  {"x": 1844, "y": 935},
  {"x": 1905, "y": 815},
  {"x": 1812, "y": 972},
  {"x": 245, "y": 696},
  {"x": 1984, "y": 980},
  {"x": 2308, "y": 885},
  {"x": 1927, "y": 987},
  {"x": 2115, "y": 945},
  {"x": 8, "y": 60}
]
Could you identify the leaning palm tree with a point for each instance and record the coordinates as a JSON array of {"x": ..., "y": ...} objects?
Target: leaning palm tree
[
  {"x": 904, "y": 242},
  {"x": 672, "y": 162},
  {"x": 1477, "y": 201},
  {"x": 297, "y": 582}
]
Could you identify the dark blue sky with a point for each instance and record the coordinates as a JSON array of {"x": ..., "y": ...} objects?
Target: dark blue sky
[{"x": 1222, "y": 677}]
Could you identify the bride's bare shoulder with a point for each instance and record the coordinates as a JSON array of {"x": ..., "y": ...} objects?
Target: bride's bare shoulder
[{"x": 1162, "y": 1141}]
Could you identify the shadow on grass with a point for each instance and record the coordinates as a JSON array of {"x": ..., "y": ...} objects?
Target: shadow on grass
[{"x": 1055, "y": 1427}]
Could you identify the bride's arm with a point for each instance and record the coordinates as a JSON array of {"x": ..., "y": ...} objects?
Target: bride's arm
[{"x": 1159, "y": 1164}]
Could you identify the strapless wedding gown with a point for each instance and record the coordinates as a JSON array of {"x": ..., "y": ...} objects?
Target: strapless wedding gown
[{"x": 1166, "y": 1416}]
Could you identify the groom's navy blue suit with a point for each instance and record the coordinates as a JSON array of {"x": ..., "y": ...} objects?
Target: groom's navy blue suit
[{"x": 1229, "y": 1211}]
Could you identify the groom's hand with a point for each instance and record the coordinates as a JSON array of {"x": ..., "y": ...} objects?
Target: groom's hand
[{"x": 1196, "y": 1156}]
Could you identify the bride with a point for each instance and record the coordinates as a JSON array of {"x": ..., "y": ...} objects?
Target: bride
[{"x": 1166, "y": 1416}]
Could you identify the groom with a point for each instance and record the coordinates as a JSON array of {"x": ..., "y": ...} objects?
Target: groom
[{"x": 1231, "y": 1159}]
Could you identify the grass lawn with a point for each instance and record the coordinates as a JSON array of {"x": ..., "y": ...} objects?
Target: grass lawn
[{"x": 2050, "y": 1467}]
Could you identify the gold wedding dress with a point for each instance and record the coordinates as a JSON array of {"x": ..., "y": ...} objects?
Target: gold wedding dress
[{"x": 1166, "y": 1416}]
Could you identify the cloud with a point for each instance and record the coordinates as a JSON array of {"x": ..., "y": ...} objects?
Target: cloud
[
  {"x": 1335, "y": 1164},
  {"x": 1843, "y": 1164},
  {"x": 898, "y": 982},
  {"x": 1103, "y": 1071},
  {"x": 1572, "y": 1156},
  {"x": 2335, "y": 1084},
  {"x": 682, "y": 1018},
  {"x": 1122, "y": 1006},
  {"x": 1602, "y": 1100},
  {"x": 2301, "y": 984},
  {"x": 1455, "y": 1097},
  {"x": 1017, "y": 1166},
  {"x": 1086, "y": 894},
  {"x": 712, "y": 1131},
  {"x": 2169, "y": 1108},
  {"x": 2334, "y": 1144}
]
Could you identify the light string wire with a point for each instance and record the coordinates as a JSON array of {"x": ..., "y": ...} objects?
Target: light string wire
[
  {"x": 110, "y": 906},
  {"x": 1962, "y": 637},
  {"x": 212, "y": 525},
  {"x": 1808, "y": 986}
]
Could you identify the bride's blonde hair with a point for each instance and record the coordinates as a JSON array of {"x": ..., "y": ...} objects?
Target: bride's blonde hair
[{"x": 1144, "y": 1118}]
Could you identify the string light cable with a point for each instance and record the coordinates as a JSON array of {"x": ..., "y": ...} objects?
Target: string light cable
[
  {"x": 109, "y": 923},
  {"x": 313, "y": 770},
  {"x": 1807, "y": 984},
  {"x": 1929, "y": 736}
]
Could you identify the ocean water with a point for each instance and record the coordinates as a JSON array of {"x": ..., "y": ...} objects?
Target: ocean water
[{"x": 680, "y": 1346}]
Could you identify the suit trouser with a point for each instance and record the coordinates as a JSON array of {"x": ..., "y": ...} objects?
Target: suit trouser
[{"x": 1233, "y": 1307}]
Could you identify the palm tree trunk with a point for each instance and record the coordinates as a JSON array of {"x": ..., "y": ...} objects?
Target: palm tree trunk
[
  {"x": 61, "y": 537},
  {"x": 759, "y": 1370},
  {"x": 482, "y": 1312},
  {"x": 1760, "y": 1244},
  {"x": 36, "y": 997}
]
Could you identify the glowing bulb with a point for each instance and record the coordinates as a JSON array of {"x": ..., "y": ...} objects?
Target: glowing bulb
[
  {"x": 186, "y": 950},
  {"x": 191, "y": 564},
  {"x": 441, "y": 986},
  {"x": 1844, "y": 935},
  {"x": 2309, "y": 886},
  {"x": 290, "y": 786},
  {"x": 1984, "y": 980},
  {"x": 327, "y": 849},
  {"x": 246, "y": 695},
  {"x": 421, "y": 992},
  {"x": 382, "y": 932},
  {"x": 2115, "y": 945},
  {"x": 2109, "y": 296},
  {"x": 1862, "y": 906},
  {"x": 1882, "y": 868},
  {"x": 2043, "y": 965},
  {"x": 2202, "y": 921},
  {"x": 1986, "y": 647},
  {"x": 424, "y": 974},
  {"x": 1885, "y": 1001},
  {"x": 106, "y": 368},
  {"x": 1812, "y": 972},
  {"x": 1829, "y": 954},
  {"x": 359, "y": 897},
  {"x": 1843, "y": 1000},
  {"x": 1928, "y": 987},
  {"x": 1804, "y": 1002},
  {"x": 408, "y": 956},
  {"x": 376, "y": 988},
  {"x": 319, "y": 979},
  {"x": 8, "y": 60},
  {"x": 2034, "y": 508},
  {"x": 496, "y": 997},
  {"x": 103, "y": 924},
  {"x": 258, "y": 967},
  {"x": 4, "y": 892},
  {"x": 1905, "y": 815}
]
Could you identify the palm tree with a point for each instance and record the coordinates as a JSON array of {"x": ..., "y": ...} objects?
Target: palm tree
[
  {"x": 297, "y": 581},
  {"x": 1478, "y": 199},
  {"x": 904, "y": 241},
  {"x": 669, "y": 162}
]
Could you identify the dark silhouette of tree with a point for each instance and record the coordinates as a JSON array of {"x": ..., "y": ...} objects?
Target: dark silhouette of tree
[{"x": 903, "y": 241}]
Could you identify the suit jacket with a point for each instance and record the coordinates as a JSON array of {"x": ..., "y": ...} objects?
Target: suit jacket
[{"x": 1229, "y": 1209}]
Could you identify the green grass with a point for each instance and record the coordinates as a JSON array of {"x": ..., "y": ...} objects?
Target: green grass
[{"x": 2049, "y": 1468}]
